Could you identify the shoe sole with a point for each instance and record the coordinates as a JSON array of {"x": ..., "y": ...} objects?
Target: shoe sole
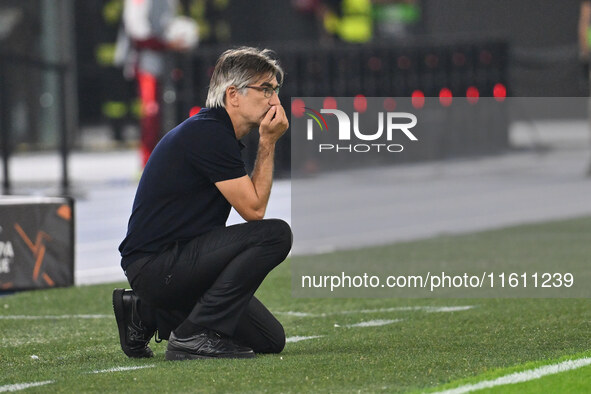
[
  {"x": 172, "y": 355},
  {"x": 117, "y": 309}
]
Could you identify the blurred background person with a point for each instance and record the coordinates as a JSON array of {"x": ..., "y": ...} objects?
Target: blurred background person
[
  {"x": 151, "y": 29},
  {"x": 361, "y": 21},
  {"x": 347, "y": 21}
]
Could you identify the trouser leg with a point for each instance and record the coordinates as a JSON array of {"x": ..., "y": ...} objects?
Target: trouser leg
[
  {"x": 259, "y": 329},
  {"x": 233, "y": 263},
  {"x": 214, "y": 277}
]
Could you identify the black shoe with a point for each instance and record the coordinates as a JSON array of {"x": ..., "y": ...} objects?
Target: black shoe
[
  {"x": 207, "y": 344},
  {"x": 134, "y": 334}
]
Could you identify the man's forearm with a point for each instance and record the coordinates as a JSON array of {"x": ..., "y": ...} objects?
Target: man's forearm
[{"x": 262, "y": 175}]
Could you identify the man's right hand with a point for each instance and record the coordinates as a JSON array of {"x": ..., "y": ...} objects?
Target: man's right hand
[
  {"x": 250, "y": 196},
  {"x": 274, "y": 124}
]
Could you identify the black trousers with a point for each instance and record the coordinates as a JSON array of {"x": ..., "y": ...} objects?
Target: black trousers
[{"x": 212, "y": 279}]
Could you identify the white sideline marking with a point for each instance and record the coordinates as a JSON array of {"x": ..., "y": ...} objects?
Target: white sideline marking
[
  {"x": 298, "y": 314},
  {"x": 121, "y": 369},
  {"x": 373, "y": 323},
  {"x": 428, "y": 309},
  {"x": 22, "y": 386},
  {"x": 448, "y": 308},
  {"x": 297, "y": 338},
  {"x": 523, "y": 376},
  {"x": 301, "y": 314},
  {"x": 30, "y": 317}
]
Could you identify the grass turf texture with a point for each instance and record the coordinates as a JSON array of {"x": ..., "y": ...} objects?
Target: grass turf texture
[
  {"x": 571, "y": 381},
  {"x": 422, "y": 351}
]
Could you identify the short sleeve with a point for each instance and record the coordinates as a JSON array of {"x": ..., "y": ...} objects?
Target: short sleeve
[{"x": 215, "y": 153}]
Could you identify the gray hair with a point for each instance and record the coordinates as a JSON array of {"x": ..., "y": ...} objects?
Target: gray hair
[{"x": 239, "y": 67}]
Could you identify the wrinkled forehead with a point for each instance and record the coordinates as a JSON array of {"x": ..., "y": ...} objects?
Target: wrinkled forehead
[{"x": 266, "y": 80}]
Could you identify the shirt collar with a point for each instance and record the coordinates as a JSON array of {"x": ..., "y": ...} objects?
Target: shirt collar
[
  {"x": 218, "y": 114},
  {"x": 221, "y": 115}
]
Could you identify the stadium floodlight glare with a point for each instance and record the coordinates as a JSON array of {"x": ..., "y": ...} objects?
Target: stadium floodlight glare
[
  {"x": 472, "y": 94},
  {"x": 360, "y": 103},
  {"x": 500, "y": 92},
  {"x": 445, "y": 97},
  {"x": 298, "y": 108},
  {"x": 418, "y": 99},
  {"x": 329, "y": 103},
  {"x": 389, "y": 104}
]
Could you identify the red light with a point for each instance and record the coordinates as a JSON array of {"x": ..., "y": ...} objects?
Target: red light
[
  {"x": 500, "y": 92},
  {"x": 329, "y": 103},
  {"x": 472, "y": 94},
  {"x": 459, "y": 59},
  {"x": 418, "y": 99},
  {"x": 177, "y": 74},
  {"x": 389, "y": 104},
  {"x": 404, "y": 63},
  {"x": 360, "y": 103},
  {"x": 374, "y": 63},
  {"x": 445, "y": 97},
  {"x": 432, "y": 61},
  {"x": 297, "y": 108},
  {"x": 195, "y": 110},
  {"x": 485, "y": 57}
]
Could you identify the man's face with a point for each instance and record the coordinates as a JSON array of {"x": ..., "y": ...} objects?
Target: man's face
[{"x": 254, "y": 103}]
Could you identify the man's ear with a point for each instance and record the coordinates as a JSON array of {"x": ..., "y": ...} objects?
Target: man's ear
[{"x": 232, "y": 96}]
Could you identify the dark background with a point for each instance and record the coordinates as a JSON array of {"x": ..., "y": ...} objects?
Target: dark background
[{"x": 541, "y": 59}]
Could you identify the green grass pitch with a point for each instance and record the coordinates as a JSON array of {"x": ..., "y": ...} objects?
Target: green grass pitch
[{"x": 419, "y": 351}]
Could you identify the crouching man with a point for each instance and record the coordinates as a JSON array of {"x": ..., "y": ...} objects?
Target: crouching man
[{"x": 193, "y": 278}]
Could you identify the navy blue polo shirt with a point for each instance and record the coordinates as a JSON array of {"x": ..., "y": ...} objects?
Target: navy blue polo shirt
[{"x": 176, "y": 199}]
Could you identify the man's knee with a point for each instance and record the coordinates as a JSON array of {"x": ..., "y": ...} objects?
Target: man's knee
[
  {"x": 275, "y": 342},
  {"x": 278, "y": 343},
  {"x": 280, "y": 231}
]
